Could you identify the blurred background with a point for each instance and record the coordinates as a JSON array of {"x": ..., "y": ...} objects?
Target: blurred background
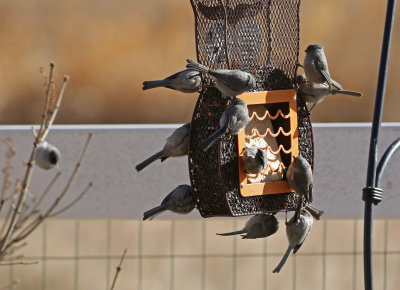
[{"x": 110, "y": 47}]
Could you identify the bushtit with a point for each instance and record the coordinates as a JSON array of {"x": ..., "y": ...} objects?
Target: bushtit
[
  {"x": 296, "y": 232},
  {"x": 258, "y": 226},
  {"x": 180, "y": 201},
  {"x": 314, "y": 93},
  {"x": 234, "y": 119},
  {"x": 300, "y": 179},
  {"x": 186, "y": 81},
  {"x": 316, "y": 66},
  {"x": 46, "y": 155},
  {"x": 229, "y": 82},
  {"x": 254, "y": 159},
  {"x": 177, "y": 144},
  {"x": 315, "y": 212}
]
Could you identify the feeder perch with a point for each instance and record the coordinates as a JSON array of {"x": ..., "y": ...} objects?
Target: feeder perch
[{"x": 262, "y": 38}]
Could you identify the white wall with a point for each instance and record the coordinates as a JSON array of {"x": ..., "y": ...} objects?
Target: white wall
[{"x": 119, "y": 191}]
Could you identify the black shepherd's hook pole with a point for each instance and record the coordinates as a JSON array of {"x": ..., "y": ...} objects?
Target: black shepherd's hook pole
[{"x": 371, "y": 193}]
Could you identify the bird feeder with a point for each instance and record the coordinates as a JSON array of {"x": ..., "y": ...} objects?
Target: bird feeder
[{"x": 262, "y": 38}]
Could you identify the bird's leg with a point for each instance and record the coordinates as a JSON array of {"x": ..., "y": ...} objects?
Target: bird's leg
[
  {"x": 298, "y": 209},
  {"x": 309, "y": 111}
]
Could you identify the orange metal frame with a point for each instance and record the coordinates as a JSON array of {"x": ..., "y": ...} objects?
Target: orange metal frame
[{"x": 274, "y": 187}]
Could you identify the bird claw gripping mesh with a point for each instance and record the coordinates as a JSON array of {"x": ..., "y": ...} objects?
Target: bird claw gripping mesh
[{"x": 262, "y": 38}]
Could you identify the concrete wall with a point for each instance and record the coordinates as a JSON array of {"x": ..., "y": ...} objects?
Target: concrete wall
[{"x": 121, "y": 192}]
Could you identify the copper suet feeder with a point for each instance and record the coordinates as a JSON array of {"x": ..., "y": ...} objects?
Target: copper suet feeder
[{"x": 262, "y": 38}]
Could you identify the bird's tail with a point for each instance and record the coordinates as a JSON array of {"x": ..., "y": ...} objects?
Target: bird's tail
[
  {"x": 196, "y": 66},
  {"x": 315, "y": 212},
  {"x": 283, "y": 261},
  {"x": 349, "y": 93},
  {"x": 154, "y": 211},
  {"x": 214, "y": 137},
  {"x": 233, "y": 233},
  {"x": 154, "y": 84},
  {"x": 148, "y": 161}
]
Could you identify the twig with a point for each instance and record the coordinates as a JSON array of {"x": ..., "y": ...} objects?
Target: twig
[
  {"x": 19, "y": 263},
  {"x": 7, "y": 168},
  {"x": 12, "y": 250},
  {"x": 46, "y": 191},
  {"x": 52, "y": 114},
  {"x": 47, "y": 103},
  {"x": 118, "y": 269},
  {"x": 73, "y": 202},
  {"x": 71, "y": 179},
  {"x": 47, "y": 120}
]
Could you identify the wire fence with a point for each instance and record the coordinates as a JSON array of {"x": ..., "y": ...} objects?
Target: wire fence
[{"x": 182, "y": 254}]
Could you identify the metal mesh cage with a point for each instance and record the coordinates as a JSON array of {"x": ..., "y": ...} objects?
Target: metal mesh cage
[{"x": 259, "y": 37}]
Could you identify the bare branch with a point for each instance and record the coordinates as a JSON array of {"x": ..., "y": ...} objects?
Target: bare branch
[
  {"x": 44, "y": 128},
  {"x": 118, "y": 269},
  {"x": 47, "y": 103},
  {"x": 73, "y": 202},
  {"x": 19, "y": 263},
  {"x": 52, "y": 114},
  {"x": 13, "y": 249},
  {"x": 71, "y": 179}
]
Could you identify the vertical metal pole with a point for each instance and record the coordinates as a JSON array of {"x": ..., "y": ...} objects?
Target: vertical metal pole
[{"x": 372, "y": 160}]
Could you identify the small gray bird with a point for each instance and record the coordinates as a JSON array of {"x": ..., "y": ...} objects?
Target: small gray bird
[
  {"x": 300, "y": 179},
  {"x": 234, "y": 119},
  {"x": 316, "y": 66},
  {"x": 296, "y": 232},
  {"x": 229, "y": 82},
  {"x": 180, "y": 201},
  {"x": 254, "y": 159},
  {"x": 314, "y": 93},
  {"x": 46, "y": 155},
  {"x": 186, "y": 81},
  {"x": 177, "y": 144},
  {"x": 258, "y": 226}
]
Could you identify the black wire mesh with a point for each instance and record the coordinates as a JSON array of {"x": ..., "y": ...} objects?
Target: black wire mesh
[{"x": 259, "y": 37}]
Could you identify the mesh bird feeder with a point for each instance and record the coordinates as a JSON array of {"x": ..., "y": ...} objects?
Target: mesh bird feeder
[{"x": 260, "y": 37}]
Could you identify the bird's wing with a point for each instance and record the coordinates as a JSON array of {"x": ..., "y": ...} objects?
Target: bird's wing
[
  {"x": 336, "y": 84},
  {"x": 230, "y": 78},
  {"x": 233, "y": 120},
  {"x": 298, "y": 178},
  {"x": 166, "y": 199},
  {"x": 323, "y": 69}
]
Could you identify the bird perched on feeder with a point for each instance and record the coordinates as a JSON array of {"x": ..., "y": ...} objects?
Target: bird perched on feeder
[
  {"x": 180, "y": 201},
  {"x": 186, "y": 81},
  {"x": 300, "y": 179},
  {"x": 46, "y": 155},
  {"x": 233, "y": 119},
  {"x": 254, "y": 159},
  {"x": 314, "y": 93},
  {"x": 296, "y": 232},
  {"x": 258, "y": 226},
  {"x": 229, "y": 82},
  {"x": 316, "y": 66},
  {"x": 177, "y": 144}
]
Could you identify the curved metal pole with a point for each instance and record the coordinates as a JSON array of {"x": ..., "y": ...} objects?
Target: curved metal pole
[
  {"x": 372, "y": 160},
  {"x": 385, "y": 159}
]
